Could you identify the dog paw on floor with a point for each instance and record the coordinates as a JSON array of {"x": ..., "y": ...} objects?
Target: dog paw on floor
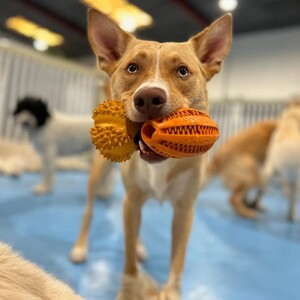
[{"x": 140, "y": 287}]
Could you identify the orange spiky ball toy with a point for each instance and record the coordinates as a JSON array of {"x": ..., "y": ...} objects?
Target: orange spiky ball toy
[
  {"x": 186, "y": 132},
  {"x": 113, "y": 133}
]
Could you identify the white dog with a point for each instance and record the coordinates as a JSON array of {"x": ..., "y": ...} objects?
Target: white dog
[
  {"x": 52, "y": 134},
  {"x": 283, "y": 155}
]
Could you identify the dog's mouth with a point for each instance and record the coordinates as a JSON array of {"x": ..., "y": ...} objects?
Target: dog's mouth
[{"x": 146, "y": 153}]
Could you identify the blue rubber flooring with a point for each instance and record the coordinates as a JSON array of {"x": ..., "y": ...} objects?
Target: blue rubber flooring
[{"x": 228, "y": 258}]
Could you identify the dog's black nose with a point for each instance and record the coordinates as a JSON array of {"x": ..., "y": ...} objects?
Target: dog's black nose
[{"x": 150, "y": 101}]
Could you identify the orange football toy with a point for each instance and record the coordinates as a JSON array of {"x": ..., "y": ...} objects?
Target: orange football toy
[
  {"x": 113, "y": 132},
  {"x": 186, "y": 132}
]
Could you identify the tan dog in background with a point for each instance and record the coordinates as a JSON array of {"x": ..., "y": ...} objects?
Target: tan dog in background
[
  {"x": 283, "y": 156},
  {"x": 21, "y": 279},
  {"x": 239, "y": 161},
  {"x": 154, "y": 79}
]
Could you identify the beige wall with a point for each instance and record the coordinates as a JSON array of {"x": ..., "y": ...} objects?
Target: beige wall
[{"x": 261, "y": 66}]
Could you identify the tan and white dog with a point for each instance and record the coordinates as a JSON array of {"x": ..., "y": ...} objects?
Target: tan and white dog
[
  {"x": 283, "y": 156},
  {"x": 238, "y": 162},
  {"x": 154, "y": 79}
]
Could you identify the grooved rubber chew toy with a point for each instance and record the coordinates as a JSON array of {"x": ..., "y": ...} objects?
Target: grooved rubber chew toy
[
  {"x": 113, "y": 132},
  {"x": 186, "y": 132}
]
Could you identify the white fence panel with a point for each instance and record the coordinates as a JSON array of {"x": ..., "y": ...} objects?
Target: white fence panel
[
  {"x": 232, "y": 117},
  {"x": 66, "y": 86}
]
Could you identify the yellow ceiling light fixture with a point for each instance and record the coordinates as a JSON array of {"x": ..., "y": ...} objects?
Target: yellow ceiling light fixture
[
  {"x": 104, "y": 5},
  {"x": 127, "y": 15},
  {"x": 32, "y": 30}
]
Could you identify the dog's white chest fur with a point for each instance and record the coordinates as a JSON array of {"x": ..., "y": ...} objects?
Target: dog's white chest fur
[
  {"x": 158, "y": 180},
  {"x": 165, "y": 180}
]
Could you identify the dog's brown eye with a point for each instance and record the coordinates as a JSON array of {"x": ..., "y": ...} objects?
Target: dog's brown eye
[
  {"x": 132, "y": 68},
  {"x": 183, "y": 72}
]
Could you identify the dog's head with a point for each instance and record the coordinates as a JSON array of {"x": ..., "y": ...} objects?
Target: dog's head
[
  {"x": 155, "y": 79},
  {"x": 31, "y": 112}
]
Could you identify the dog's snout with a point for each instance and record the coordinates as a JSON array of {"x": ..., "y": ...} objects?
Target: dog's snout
[{"x": 150, "y": 101}]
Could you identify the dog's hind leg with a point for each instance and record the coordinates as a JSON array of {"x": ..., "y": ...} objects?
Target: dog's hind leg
[
  {"x": 237, "y": 201},
  {"x": 256, "y": 202},
  {"x": 99, "y": 168},
  {"x": 48, "y": 169}
]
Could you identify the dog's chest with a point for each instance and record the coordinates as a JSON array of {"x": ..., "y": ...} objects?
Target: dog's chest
[
  {"x": 165, "y": 181},
  {"x": 158, "y": 181}
]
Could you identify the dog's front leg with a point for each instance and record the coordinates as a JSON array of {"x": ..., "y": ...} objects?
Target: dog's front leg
[
  {"x": 135, "y": 285},
  {"x": 100, "y": 167},
  {"x": 181, "y": 227},
  {"x": 132, "y": 220},
  {"x": 48, "y": 169}
]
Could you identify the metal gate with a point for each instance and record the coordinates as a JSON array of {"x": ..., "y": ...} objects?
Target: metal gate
[{"x": 66, "y": 86}]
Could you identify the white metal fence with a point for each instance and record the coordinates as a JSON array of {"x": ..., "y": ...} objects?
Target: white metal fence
[
  {"x": 75, "y": 89},
  {"x": 66, "y": 86},
  {"x": 232, "y": 116}
]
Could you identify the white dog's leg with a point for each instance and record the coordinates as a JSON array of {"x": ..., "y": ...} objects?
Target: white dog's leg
[{"x": 48, "y": 168}]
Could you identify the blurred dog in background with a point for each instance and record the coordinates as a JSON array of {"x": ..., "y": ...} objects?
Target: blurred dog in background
[
  {"x": 283, "y": 155},
  {"x": 22, "y": 279},
  {"x": 52, "y": 134},
  {"x": 238, "y": 162},
  {"x": 17, "y": 157}
]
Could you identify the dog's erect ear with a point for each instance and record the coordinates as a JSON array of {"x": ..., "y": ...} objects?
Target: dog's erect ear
[
  {"x": 213, "y": 44},
  {"x": 107, "y": 39}
]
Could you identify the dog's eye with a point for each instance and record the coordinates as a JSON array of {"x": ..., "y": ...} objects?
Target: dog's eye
[
  {"x": 183, "y": 72},
  {"x": 132, "y": 68}
]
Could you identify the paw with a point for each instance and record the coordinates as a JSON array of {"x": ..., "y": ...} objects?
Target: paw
[
  {"x": 141, "y": 287},
  {"x": 141, "y": 252},
  {"x": 246, "y": 212},
  {"x": 131, "y": 289},
  {"x": 41, "y": 189},
  {"x": 169, "y": 294},
  {"x": 255, "y": 206},
  {"x": 78, "y": 254}
]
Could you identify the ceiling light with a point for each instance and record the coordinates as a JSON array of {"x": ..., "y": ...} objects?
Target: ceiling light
[
  {"x": 127, "y": 15},
  {"x": 40, "y": 45},
  {"x": 130, "y": 17},
  {"x": 228, "y": 5},
  {"x": 32, "y": 30}
]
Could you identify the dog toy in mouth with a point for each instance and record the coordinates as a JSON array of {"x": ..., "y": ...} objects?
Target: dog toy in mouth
[
  {"x": 186, "y": 132},
  {"x": 113, "y": 132}
]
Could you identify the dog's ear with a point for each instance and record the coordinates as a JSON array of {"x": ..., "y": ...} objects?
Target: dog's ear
[
  {"x": 213, "y": 44},
  {"x": 108, "y": 40}
]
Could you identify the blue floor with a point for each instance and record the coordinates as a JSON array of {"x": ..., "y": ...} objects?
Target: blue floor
[{"x": 228, "y": 258}]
